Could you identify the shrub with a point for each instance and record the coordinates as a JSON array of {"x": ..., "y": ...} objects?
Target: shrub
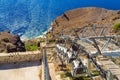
[
  {"x": 52, "y": 40},
  {"x": 42, "y": 41},
  {"x": 116, "y": 27},
  {"x": 66, "y": 74},
  {"x": 31, "y": 47},
  {"x": 96, "y": 73}
]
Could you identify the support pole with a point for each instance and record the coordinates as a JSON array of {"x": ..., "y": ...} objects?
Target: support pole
[{"x": 96, "y": 46}]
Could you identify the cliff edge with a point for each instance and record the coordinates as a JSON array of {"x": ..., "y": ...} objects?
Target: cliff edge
[{"x": 84, "y": 17}]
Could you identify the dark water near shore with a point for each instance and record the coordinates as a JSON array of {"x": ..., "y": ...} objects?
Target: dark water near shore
[{"x": 30, "y": 18}]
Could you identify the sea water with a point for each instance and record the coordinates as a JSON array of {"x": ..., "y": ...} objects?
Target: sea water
[{"x": 30, "y": 18}]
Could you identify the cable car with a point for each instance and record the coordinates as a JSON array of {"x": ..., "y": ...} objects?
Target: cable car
[
  {"x": 61, "y": 50},
  {"x": 77, "y": 68},
  {"x": 71, "y": 55}
]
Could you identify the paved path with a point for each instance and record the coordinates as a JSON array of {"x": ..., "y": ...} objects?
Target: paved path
[
  {"x": 52, "y": 71},
  {"x": 20, "y": 71},
  {"x": 111, "y": 66}
]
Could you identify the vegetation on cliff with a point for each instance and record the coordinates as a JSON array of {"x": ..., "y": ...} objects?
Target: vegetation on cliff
[
  {"x": 116, "y": 28},
  {"x": 32, "y": 45}
]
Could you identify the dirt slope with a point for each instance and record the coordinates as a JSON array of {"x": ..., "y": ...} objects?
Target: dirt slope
[{"x": 84, "y": 17}]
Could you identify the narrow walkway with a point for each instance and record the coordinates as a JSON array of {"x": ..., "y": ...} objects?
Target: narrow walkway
[
  {"x": 42, "y": 74},
  {"x": 52, "y": 71},
  {"x": 111, "y": 66},
  {"x": 20, "y": 71}
]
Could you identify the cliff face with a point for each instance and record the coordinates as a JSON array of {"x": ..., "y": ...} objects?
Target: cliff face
[
  {"x": 84, "y": 17},
  {"x": 10, "y": 42}
]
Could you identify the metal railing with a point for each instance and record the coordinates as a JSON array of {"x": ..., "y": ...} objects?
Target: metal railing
[{"x": 46, "y": 68}]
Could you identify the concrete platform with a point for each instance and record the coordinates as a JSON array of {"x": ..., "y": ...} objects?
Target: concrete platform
[{"x": 20, "y": 71}]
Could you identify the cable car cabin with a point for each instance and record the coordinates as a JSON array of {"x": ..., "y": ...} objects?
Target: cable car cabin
[
  {"x": 61, "y": 50},
  {"x": 71, "y": 55},
  {"x": 75, "y": 47},
  {"x": 77, "y": 68},
  {"x": 58, "y": 48},
  {"x": 64, "y": 51}
]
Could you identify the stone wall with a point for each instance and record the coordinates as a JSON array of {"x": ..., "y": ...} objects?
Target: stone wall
[{"x": 20, "y": 57}]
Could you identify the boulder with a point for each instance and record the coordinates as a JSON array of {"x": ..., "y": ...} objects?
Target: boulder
[{"x": 10, "y": 43}]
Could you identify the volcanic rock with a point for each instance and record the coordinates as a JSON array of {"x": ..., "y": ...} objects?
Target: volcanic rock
[{"x": 10, "y": 42}]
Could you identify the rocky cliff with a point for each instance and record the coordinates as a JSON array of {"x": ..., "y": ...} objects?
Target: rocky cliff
[
  {"x": 10, "y": 42},
  {"x": 85, "y": 17}
]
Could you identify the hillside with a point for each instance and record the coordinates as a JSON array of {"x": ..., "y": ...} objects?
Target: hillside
[
  {"x": 10, "y": 42},
  {"x": 85, "y": 17}
]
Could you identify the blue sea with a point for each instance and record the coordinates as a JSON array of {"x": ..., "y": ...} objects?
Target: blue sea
[{"x": 30, "y": 18}]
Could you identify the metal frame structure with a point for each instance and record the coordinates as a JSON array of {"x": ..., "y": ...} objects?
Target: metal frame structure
[{"x": 91, "y": 39}]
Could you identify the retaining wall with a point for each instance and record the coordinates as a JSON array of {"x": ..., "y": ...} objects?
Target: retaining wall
[{"x": 20, "y": 57}]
